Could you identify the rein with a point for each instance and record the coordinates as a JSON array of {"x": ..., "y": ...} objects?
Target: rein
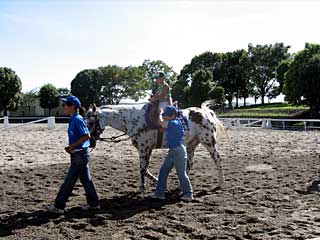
[{"x": 114, "y": 139}]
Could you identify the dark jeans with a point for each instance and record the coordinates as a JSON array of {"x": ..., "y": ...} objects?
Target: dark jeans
[{"x": 79, "y": 169}]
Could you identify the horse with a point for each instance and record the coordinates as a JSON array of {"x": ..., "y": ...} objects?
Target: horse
[{"x": 202, "y": 122}]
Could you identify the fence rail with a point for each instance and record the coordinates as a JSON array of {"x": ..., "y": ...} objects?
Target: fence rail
[
  {"x": 272, "y": 123},
  {"x": 51, "y": 121}
]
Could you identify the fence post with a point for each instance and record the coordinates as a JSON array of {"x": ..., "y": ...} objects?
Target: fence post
[
  {"x": 264, "y": 123},
  {"x": 269, "y": 124},
  {"x": 238, "y": 122},
  {"x": 6, "y": 121},
  {"x": 51, "y": 122}
]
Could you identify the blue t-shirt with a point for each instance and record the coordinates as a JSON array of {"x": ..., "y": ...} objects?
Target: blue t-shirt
[
  {"x": 77, "y": 129},
  {"x": 175, "y": 133}
]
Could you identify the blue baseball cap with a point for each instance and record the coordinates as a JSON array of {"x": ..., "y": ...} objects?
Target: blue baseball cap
[
  {"x": 72, "y": 101},
  {"x": 170, "y": 111}
]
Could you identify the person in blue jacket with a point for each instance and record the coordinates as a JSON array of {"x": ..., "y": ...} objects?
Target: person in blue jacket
[
  {"x": 79, "y": 143},
  {"x": 177, "y": 156}
]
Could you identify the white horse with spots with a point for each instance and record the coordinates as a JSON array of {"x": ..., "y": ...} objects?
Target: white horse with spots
[{"x": 202, "y": 124}]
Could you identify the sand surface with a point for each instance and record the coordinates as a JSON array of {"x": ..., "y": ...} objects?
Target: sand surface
[{"x": 266, "y": 195}]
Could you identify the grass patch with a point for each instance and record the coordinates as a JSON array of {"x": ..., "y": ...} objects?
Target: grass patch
[{"x": 273, "y": 110}]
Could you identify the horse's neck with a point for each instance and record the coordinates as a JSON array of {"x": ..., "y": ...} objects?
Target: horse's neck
[
  {"x": 125, "y": 120},
  {"x": 116, "y": 120}
]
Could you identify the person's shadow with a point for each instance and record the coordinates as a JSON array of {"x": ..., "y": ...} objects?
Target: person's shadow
[
  {"x": 115, "y": 208},
  {"x": 312, "y": 188}
]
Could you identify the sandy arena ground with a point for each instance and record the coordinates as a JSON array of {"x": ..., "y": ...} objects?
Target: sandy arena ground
[{"x": 266, "y": 195}]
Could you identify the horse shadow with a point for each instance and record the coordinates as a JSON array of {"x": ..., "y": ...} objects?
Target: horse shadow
[{"x": 115, "y": 208}]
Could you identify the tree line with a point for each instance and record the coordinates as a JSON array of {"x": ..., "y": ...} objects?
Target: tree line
[
  {"x": 241, "y": 74},
  {"x": 260, "y": 71}
]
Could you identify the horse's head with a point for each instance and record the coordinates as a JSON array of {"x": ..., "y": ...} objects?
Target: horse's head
[{"x": 94, "y": 125}]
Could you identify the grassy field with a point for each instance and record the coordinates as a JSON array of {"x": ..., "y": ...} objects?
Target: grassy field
[{"x": 273, "y": 110}]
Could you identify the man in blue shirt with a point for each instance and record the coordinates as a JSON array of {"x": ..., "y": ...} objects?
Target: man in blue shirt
[
  {"x": 177, "y": 156},
  {"x": 79, "y": 143}
]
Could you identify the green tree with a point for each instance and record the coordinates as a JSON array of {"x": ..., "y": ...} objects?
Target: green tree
[
  {"x": 136, "y": 84},
  {"x": 218, "y": 96},
  {"x": 118, "y": 83},
  {"x": 302, "y": 80},
  {"x": 201, "y": 87},
  {"x": 10, "y": 88},
  {"x": 152, "y": 67},
  {"x": 180, "y": 93},
  {"x": 245, "y": 88},
  {"x": 111, "y": 84},
  {"x": 265, "y": 59},
  {"x": 234, "y": 75},
  {"x": 49, "y": 97},
  {"x": 281, "y": 70},
  {"x": 28, "y": 100},
  {"x": 207, "y": 61},
  {"x": 87, "y": 87}
]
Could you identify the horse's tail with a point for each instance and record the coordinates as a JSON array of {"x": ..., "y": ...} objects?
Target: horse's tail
[{"x": 213, "y": 117}]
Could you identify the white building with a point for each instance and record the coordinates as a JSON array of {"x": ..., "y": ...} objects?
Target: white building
[{"x": 36, "y": 111}]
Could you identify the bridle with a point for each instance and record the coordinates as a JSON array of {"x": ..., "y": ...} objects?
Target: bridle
[{"x": 113, "y": 139}]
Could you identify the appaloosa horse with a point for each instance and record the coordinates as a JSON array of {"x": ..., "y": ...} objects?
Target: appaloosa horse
[{"x": 202, "y": 128}]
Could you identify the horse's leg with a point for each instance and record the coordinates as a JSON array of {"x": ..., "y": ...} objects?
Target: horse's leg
[
  {"x": 190, "y": 151},
  {"x": 153, "y": 178},
  {"x": 212, "y": 148},
  {"x": 144, "y": 156}
]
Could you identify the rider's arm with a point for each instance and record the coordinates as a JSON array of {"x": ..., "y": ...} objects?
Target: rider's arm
[
  {"x": 164, "y": 92},
  {"x": 155, "y": 97},
  {"x": 163, "y": 123},
  {"x": 161, "y": 95}
]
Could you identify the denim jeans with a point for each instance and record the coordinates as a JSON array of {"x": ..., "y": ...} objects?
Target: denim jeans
[
  {"x": 79, "y": 169},
  {"x": 177, "y": 157}
]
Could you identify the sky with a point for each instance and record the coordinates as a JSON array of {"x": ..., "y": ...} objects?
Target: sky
[{"x": 51, "y": 41}]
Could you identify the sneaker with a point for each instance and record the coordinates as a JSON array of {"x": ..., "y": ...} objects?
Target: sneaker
[
  {"x": 53, "y": 209},
  {"x": 186, "y": 198},
  {"x": 157, "y": 197},
  {"x": 87, "y": 207}
]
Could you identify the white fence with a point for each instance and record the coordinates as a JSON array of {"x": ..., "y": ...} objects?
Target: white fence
[
  {"x": 271, "y": 123},
  {"x": 51, "y": 121}
]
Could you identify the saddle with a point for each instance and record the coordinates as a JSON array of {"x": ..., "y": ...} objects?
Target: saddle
[
  {"x": 152, "y": 120},
  {"x": 152, "y": 115}
]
